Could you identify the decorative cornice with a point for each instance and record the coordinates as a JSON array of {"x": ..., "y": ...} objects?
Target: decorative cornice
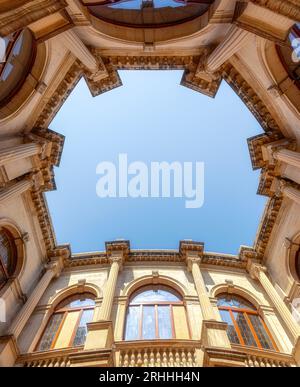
[
  {"x": 250, "y": 98},
  {"x": 255, "y": 145},
  {"x": 188, "y": 246},
  {"x": 111, "y": 81},
  {"x": 288, "y": 8},
  {"x": 19, "y": 17},
  {"x": 60, "y": 95},
  {"x": 44, "y": 219},
  {"x": 169, "y": 256},
  {"x": 267, "y": 225}
]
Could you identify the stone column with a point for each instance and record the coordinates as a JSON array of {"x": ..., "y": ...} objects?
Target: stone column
[
  {"x": 110, "y": 287},
  {"x": 214, "y": 331},
  {"x": 18, "y": 152},
  {"x": 287, "y": 156},
  {"x": 259, "y": 272},
  {"x": 15, "y": 190},
  {"x": 100, "y": 337},
  {"x": 290, "y": 192},
  {"x": 205, "y": 304},
  {"x": 232, "y": 43},
  {"x": 52, "y": 270}
]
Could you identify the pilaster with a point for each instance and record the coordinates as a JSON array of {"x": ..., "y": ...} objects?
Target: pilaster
[{"x": 213, "y": 331}]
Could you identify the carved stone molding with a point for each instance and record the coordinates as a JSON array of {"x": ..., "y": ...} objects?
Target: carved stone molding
[
  {"x": 267, "y": 225},
  {"x": 289, "y": 8},
  {"x": 250, "y": 98},
  {"x": 44, "y": 219},
  {"x": 59, "y": 96},
  {"x": 117, "y": 251},
  {"x": 17, "y": 18}
]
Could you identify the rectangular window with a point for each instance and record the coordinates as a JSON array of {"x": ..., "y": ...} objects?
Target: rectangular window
[
  {"x": 132, "y": 323},
  {"x": 149, "y": 325},
  {"x": 244, "y": 329},
  {"x": 233, "y": 337},
  {"x": 164, "y": 322},
  {"x": 81, "y": 332},
  {"x": 65, "y": 335},
  {"x": 50, "y": 332},
  {"x": 261, "y": 332}
]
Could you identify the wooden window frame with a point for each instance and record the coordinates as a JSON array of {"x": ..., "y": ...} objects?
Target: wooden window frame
[
  {"x": 155, "y": 304},
  {"x": 246, "y": 312},
  {"x": 65, "y": 311}
]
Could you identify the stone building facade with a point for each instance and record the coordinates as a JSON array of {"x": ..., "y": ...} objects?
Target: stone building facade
[{"x": 125, "y": 307}]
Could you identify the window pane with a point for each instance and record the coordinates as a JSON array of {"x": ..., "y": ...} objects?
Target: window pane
[
  {"x": 262, "y": 335},
  {"x": 234, "y": 302},
  {"x": 81, "y": 332},
  {"x": 77, "y": 301},
  {"x": 156, "y": 295},
  {"x": 5, "y": 249},
  {"x": 233, "y": 337},
  {"x": 2, "y": 276},
  {"x": 164, "y": 322},
  {"x": 149, "y": 322},
  {"x": 81, "y": 303},
  {"x": 244, "y": 329},
  {"x": 132, "y": 323},
  {"x": 50, "y": 332}
]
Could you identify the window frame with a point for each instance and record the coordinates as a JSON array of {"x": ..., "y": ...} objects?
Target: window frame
[
  {"x": 155, "y": 304},
  {"x": 26, "y": 67},
  {"x": 64, "y": 310},
  {"x": 246, "y": 312},
  {"x": 14, "y": 256}
]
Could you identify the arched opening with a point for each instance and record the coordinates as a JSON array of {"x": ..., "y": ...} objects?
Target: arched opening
[
  {"x": 20, "y": 52},
  {"x": 156, "y": 312},
  {"x": 67, "y": 327},
  {"x": 290, "y": 54},
  {"x": 245, "y": 326},
  {"x": 8, "y": 256}
]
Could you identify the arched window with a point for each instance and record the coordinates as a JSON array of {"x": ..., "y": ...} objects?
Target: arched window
[
  {"x": 8, "y": 256},
  {"x": 67, "y": 326},
  {"x": 245, "y": 327},
  {"x": 155, "y": 312},
  {"x": 19, "y": 53},
  {"x": 290, "y": 54}
]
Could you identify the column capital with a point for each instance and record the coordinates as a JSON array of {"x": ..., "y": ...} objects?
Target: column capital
[
  {"x": 254, "y": 269},
  {"x": 279, "y": 185},
  {"x": 191, "y": 252},
  {"x": 57, "y": 260},
  {"x": 117, "y": 251},
  {"x": 271, "y": 150}
]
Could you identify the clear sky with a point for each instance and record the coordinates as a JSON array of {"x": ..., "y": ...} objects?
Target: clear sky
[{"x": 152, "y": 118}]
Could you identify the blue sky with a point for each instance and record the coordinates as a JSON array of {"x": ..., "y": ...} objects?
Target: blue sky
[{"x": 153, "y": 118}]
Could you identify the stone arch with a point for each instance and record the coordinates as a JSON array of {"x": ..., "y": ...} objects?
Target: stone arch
[
  {"x": 236, "y": 290},
  {"x": 292, "y": 256},
  {"x": 79, "y": 288},
  {"x": 283, "y": 84},
  {"x": 19, "y": 239},
  {"x": 31, "y": 84},
  {"x": 153, "y": 280}
]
